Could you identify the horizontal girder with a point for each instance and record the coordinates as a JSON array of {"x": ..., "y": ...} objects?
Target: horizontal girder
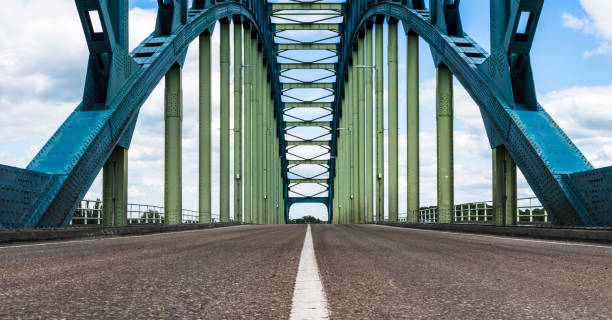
[
  {"x": 306, "y": 6},
  {"x": 308, "y": 123}
]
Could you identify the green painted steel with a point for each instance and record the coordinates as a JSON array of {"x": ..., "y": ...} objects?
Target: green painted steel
[
  {"x": 114, "y": 189},
  {"x": 504, "y": 187},
  {"x": 259, "y": 140},
  {"x": 224, "y": 135},
  {"x": 511, "y": 192},
  {"x": 393, "y": 121},
  {"x": 205, "y": 105},
  {"x": 355, "y": 139},
  {"x": 380, "y": 123},
  {"x": 412, "y": 131},
  {"x": 173, "y": 115},
  {"x": 369, "y": 128},
  {"x": 306, "y": 26},
  {"x": 256, "y": 135},
  {"x": 361, "y": 130},
  {"x": 308, "y": 46},
  {"x": 248, "y": 74},
  {"x": 444, "y": 120},
  {"x": 237, "y": 122}
]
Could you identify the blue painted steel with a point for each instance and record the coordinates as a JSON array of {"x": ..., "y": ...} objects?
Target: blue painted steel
[{"x": 117, "y": 83}]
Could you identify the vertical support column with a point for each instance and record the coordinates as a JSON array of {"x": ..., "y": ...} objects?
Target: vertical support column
[
  {"x": 173, "y": 114},
  {"x": 237, "y": 120},
  {"x": 224, "y": 142},
  {"x": 256, "y": 139},
  {"x": 114, "y": 189},
  {"x": 266, "y": 148},
  {"x": 499, "y": 185},
  {"x": 380, "y": 142},
  {"x": 504, "y": 187},
  {"x": 444, "y": 120},
  {"x": 354, "y": 141},
  {"x": 369, "y": 126},
  {"x": 260, "y": 136},
  {"x": 248, "y": 74},
  {"x": 361, "y": 130},
  {"x": 205, "y": 102},
  {"x": 412, "y": 118},
  {"x": 511, "y": 198},
  {"x": 393, "y": 124}
]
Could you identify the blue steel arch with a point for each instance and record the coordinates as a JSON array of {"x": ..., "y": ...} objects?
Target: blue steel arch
[
  {"x": 571, "y": 190},
  {"x": 46, "y": 193}
]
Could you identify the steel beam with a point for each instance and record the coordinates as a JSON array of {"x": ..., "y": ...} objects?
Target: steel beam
[
  {"x": 308, "y": 85},
  {"x": 173, "y": 114},
  {"x": 300, "y": 181},
  {"x": 205, "y": 105},
  {"x": 308, "y": 46},
  {"x": 412, "y": 131},
  {"x": 293, "y": 66},
  {"x": 291, "y": 105},
  {"x": 308, "y": 124},
  {"x": 279, "y": 27},
  {"x": 248, "y": 75},
  {"x": 369, "y": 98},
  {"x": 380, "y": 142},
  {"x": 355, "y": 195},
  {"x": 504, "y": 187},
  {"x": 306, "y": 6},
  {"x": 237, "y": 122},
  {"x": 114, "y": 189},
  {"x": 393, "y": 121},
  {"x": 360, "y": 81},
  {"x": 444, "y": 120},
  {"x": 224, "y": 137}
]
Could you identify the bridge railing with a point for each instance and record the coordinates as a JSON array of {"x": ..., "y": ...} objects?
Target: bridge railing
[
  {"x": 529, "y": 210},
  {"x": 90, "y": 212}
]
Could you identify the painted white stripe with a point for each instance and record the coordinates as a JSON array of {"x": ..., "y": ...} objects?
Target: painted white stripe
[{"x": 308, "y": 296}]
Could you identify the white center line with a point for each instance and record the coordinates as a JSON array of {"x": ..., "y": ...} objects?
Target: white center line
[{"x": 309, "y": 300}]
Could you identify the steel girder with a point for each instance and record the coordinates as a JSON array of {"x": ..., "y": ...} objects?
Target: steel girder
[
  {"x": 288, "y": 19},
  {"x": 46, "y": 193},
  {"x": 571, "y": 190}
]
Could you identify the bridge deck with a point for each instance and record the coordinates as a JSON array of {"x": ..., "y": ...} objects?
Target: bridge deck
[{"x": 367, "y": 271}]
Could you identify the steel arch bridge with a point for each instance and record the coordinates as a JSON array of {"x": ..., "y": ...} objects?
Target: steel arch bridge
[{"x": 98, "y": 133}]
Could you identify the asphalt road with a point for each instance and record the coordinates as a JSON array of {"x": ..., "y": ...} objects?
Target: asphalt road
[
  {"x": 232, "y": 273},
  {"x": 378, "y": 272},
  {"x": 367, "y": 272}
]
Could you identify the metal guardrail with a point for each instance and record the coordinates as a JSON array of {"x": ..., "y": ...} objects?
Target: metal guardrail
[
  {"x": 90, "y": 213},
  {"x": 529, "y": 210}
]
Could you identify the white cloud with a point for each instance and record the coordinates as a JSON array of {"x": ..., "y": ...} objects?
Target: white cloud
[{"x": 597, "y": 21}]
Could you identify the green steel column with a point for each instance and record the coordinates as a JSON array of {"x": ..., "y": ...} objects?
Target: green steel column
[
  {"x": 361, "y": 130},
  {"x": 369, "y": 128},
  {"x": 224, "y": 137},
  {"x": 499, "y": 185},
  {"x": 354, "y": 142},
  {"x": 205, "y": 102},
  {"x": 173, "y": 114},
  {"x": 511, "y": 200},
  {"x": 260, "y": 137},
  {"x": 255, "y": 135},
  {"x": 412, "y": 116},
  {"x": 266, "y": 150},
  {"x": 248, "y": 74},
  {"x": 380, "y": 142},
  {"x": 444, "y": 120},
  {"x": 114, "y": 189},
  {"x": 392, "y": 114},
  {"x": 237, "y": 121}
]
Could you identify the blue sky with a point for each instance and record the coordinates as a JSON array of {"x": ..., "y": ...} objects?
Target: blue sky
[{"x": 43, "y": 58}]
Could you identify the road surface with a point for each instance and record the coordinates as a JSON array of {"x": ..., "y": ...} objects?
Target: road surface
[{"x": 366, "y": 272}]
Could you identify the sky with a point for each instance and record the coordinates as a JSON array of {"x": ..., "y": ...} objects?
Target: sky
[{"x": 43, "y": 58}]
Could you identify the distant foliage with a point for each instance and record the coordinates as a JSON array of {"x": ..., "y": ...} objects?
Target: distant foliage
[{"x": 306, "y": 219}]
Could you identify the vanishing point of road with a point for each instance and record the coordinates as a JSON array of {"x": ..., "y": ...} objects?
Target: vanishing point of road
[{"x": 250, "y": 272}]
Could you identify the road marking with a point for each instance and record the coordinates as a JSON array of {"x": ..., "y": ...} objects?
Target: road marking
[
  {"x": 309, "y": 300},
  {"x": 59, "y": 242},
  {"x": 467, "y": 234}
]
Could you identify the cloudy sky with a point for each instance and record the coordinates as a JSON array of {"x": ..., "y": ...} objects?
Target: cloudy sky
[{"x": 43, "y": 58}]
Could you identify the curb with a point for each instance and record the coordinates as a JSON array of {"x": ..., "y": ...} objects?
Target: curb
[
  {"x": 26, "y": 235},
  {"x": 598, "y": 235}
]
